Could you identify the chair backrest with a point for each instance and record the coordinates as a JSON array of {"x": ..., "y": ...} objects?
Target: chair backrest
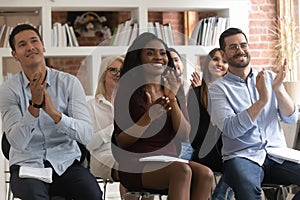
[{"x": 5, "y": 146}]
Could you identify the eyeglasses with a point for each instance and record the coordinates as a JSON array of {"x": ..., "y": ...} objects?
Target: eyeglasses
[
  {"x": 234, "y": 47},
  {"x": 113, "y": 70}
]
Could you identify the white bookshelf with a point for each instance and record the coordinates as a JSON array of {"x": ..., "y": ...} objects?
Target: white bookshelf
[{"x": 236, "y": 10}]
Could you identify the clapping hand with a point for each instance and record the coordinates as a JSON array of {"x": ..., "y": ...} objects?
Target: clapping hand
[
  {"x": 159, "y": 107},
  {"x": 261, "y": 86},
  {"x": 196, "y": 79},
  {"x": 278, "y": 80},
  {"x": 171, "y": 84}
]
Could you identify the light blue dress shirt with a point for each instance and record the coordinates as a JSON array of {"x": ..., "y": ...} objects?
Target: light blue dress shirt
[
  {"x": 229, "y": 99},
  {"x": 34, "y": 140}
]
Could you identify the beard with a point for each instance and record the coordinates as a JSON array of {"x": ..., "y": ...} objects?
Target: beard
[{"x": 235, "y": 61}]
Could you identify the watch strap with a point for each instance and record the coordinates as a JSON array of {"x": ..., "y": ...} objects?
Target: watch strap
[{"x": 35, "y": 105}]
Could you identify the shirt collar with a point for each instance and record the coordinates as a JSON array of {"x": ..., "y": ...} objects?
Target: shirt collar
[
  {"x": 26, "y": 81},
  {"x": 233, "y": 77}
]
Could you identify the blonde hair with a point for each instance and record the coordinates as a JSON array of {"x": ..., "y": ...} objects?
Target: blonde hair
[{"x": 106, "y": 62}]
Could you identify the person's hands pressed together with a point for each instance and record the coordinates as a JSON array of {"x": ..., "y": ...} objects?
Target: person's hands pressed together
[
  {"x": 37, "y": 87},
  {"x": 261, "y": 87}
]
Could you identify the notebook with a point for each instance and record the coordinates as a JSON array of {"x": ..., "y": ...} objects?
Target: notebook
[
  {"x": 162, "y": 158},
  {"x": 285, "y": 153}
]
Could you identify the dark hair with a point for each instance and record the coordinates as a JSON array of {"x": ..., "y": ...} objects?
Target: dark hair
[
  {"x": 229, "y": 32},
  {"x": 132, "y": 58},
  {"x": 174, "y": 50},
  {"x": 206, "y": 77},
  {"x": 18, "y": 29}
]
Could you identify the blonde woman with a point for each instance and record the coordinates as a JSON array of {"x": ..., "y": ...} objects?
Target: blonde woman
[{"x": 102, "y": 162}]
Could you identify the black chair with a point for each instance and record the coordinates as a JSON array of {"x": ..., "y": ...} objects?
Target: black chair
[{"x": 5, "y": 146}]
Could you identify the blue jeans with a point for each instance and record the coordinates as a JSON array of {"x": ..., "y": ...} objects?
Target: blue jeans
[
  {"x": 221, "y": 190},
  {"x": 186, "y": 150},
  {"x": 245, "y": 176}
]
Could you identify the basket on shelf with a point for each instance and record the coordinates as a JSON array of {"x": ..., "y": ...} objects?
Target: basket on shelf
[{"x": 90, "y": 24}]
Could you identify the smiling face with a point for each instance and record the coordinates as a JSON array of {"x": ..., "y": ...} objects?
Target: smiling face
[
  {"x": 177, "y": 63},
  {"x": 236, "y": 51},
  {"x": 112, "y": 74},
  {"x": 217, "y": 67},
  {"x": 154, "y": 58},
  {"x": 29, "y": 50}
]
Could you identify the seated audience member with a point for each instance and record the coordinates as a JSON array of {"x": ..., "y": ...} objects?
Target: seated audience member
[
  {"x": 204, "y": 135},
  {"x": 44, "y": 115},
  {"x": 247, "y": 105},
  {"x": 150, "y": 111},
  {"x": 179, "y": 66},
  {"x": 102, "y": 163},
  {"x": 186, "y": 148}
]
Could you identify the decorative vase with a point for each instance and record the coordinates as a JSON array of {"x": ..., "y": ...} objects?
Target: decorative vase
[{"x": 293, "y": 89}]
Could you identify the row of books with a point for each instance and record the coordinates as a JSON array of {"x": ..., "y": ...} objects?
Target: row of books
[
  {"x": 63, "y": 36},
  {"x": 208, "y": 30},
  {"x": 5, "y": 31},
  {"x": 162, "y": 31},
  {"x": 126, "y": 32}
]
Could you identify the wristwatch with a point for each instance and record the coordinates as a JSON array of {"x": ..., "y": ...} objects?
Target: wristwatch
[{"x": 35, "y": 105}]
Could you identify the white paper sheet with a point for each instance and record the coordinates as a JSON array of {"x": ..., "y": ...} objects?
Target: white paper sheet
[
  {"x": 43, "y": 174},
  {"x": 162, "y": 158},
  {"x": 285, "y": 154}
]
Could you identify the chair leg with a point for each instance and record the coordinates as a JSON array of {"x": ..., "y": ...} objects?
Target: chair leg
[{"x": 104, "y": 189}]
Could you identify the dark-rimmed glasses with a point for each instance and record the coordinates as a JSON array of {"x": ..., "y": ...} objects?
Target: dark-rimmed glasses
[
  {"x": 113, "y": 70},
  {"x": 234, "y": 47}
]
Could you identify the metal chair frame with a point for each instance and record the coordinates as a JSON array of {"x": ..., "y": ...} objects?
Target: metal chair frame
[{"x": 146, "y": 193}]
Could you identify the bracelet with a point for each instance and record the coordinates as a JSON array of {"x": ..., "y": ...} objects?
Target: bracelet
[{"x": 35, "y": 105}]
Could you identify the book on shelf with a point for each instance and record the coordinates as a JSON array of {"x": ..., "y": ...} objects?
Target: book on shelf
[
  {"x": 122, "y": 34},
  {"x": 117, "y": 36},
  {"x": 73, "y": 37},
  {"x": 63, "y": 36},
  {"x": 168, "y": 32},
  {"x": 157, "y": 29},
  {"x": 6, "y": 36},
  {"x": 2, "y": 34},
  {"x": 208, "y": 30},
  {"x": 59, "y": 34},
  {"x": 195, "y": 33},
  {"x": 126, "y": 32},
  {"x": 134, "y": 33},
  {"x": 162, "y": 31},
  {"x": 68, "y": 35},
  {"x": 151, "y": 28}
]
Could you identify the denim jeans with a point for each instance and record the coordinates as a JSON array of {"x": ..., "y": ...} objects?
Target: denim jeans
[
  {"x": 222, "y": 191},
  {"x": 186, "y": 150},
  {"x": 245, "y": 176}
]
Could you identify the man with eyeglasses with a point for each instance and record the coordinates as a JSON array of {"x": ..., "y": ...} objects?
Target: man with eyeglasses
[{"x": 246, "y": 105}]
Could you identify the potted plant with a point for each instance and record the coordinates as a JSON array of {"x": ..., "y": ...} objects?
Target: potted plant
[{"x": 287, "y": 45}]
